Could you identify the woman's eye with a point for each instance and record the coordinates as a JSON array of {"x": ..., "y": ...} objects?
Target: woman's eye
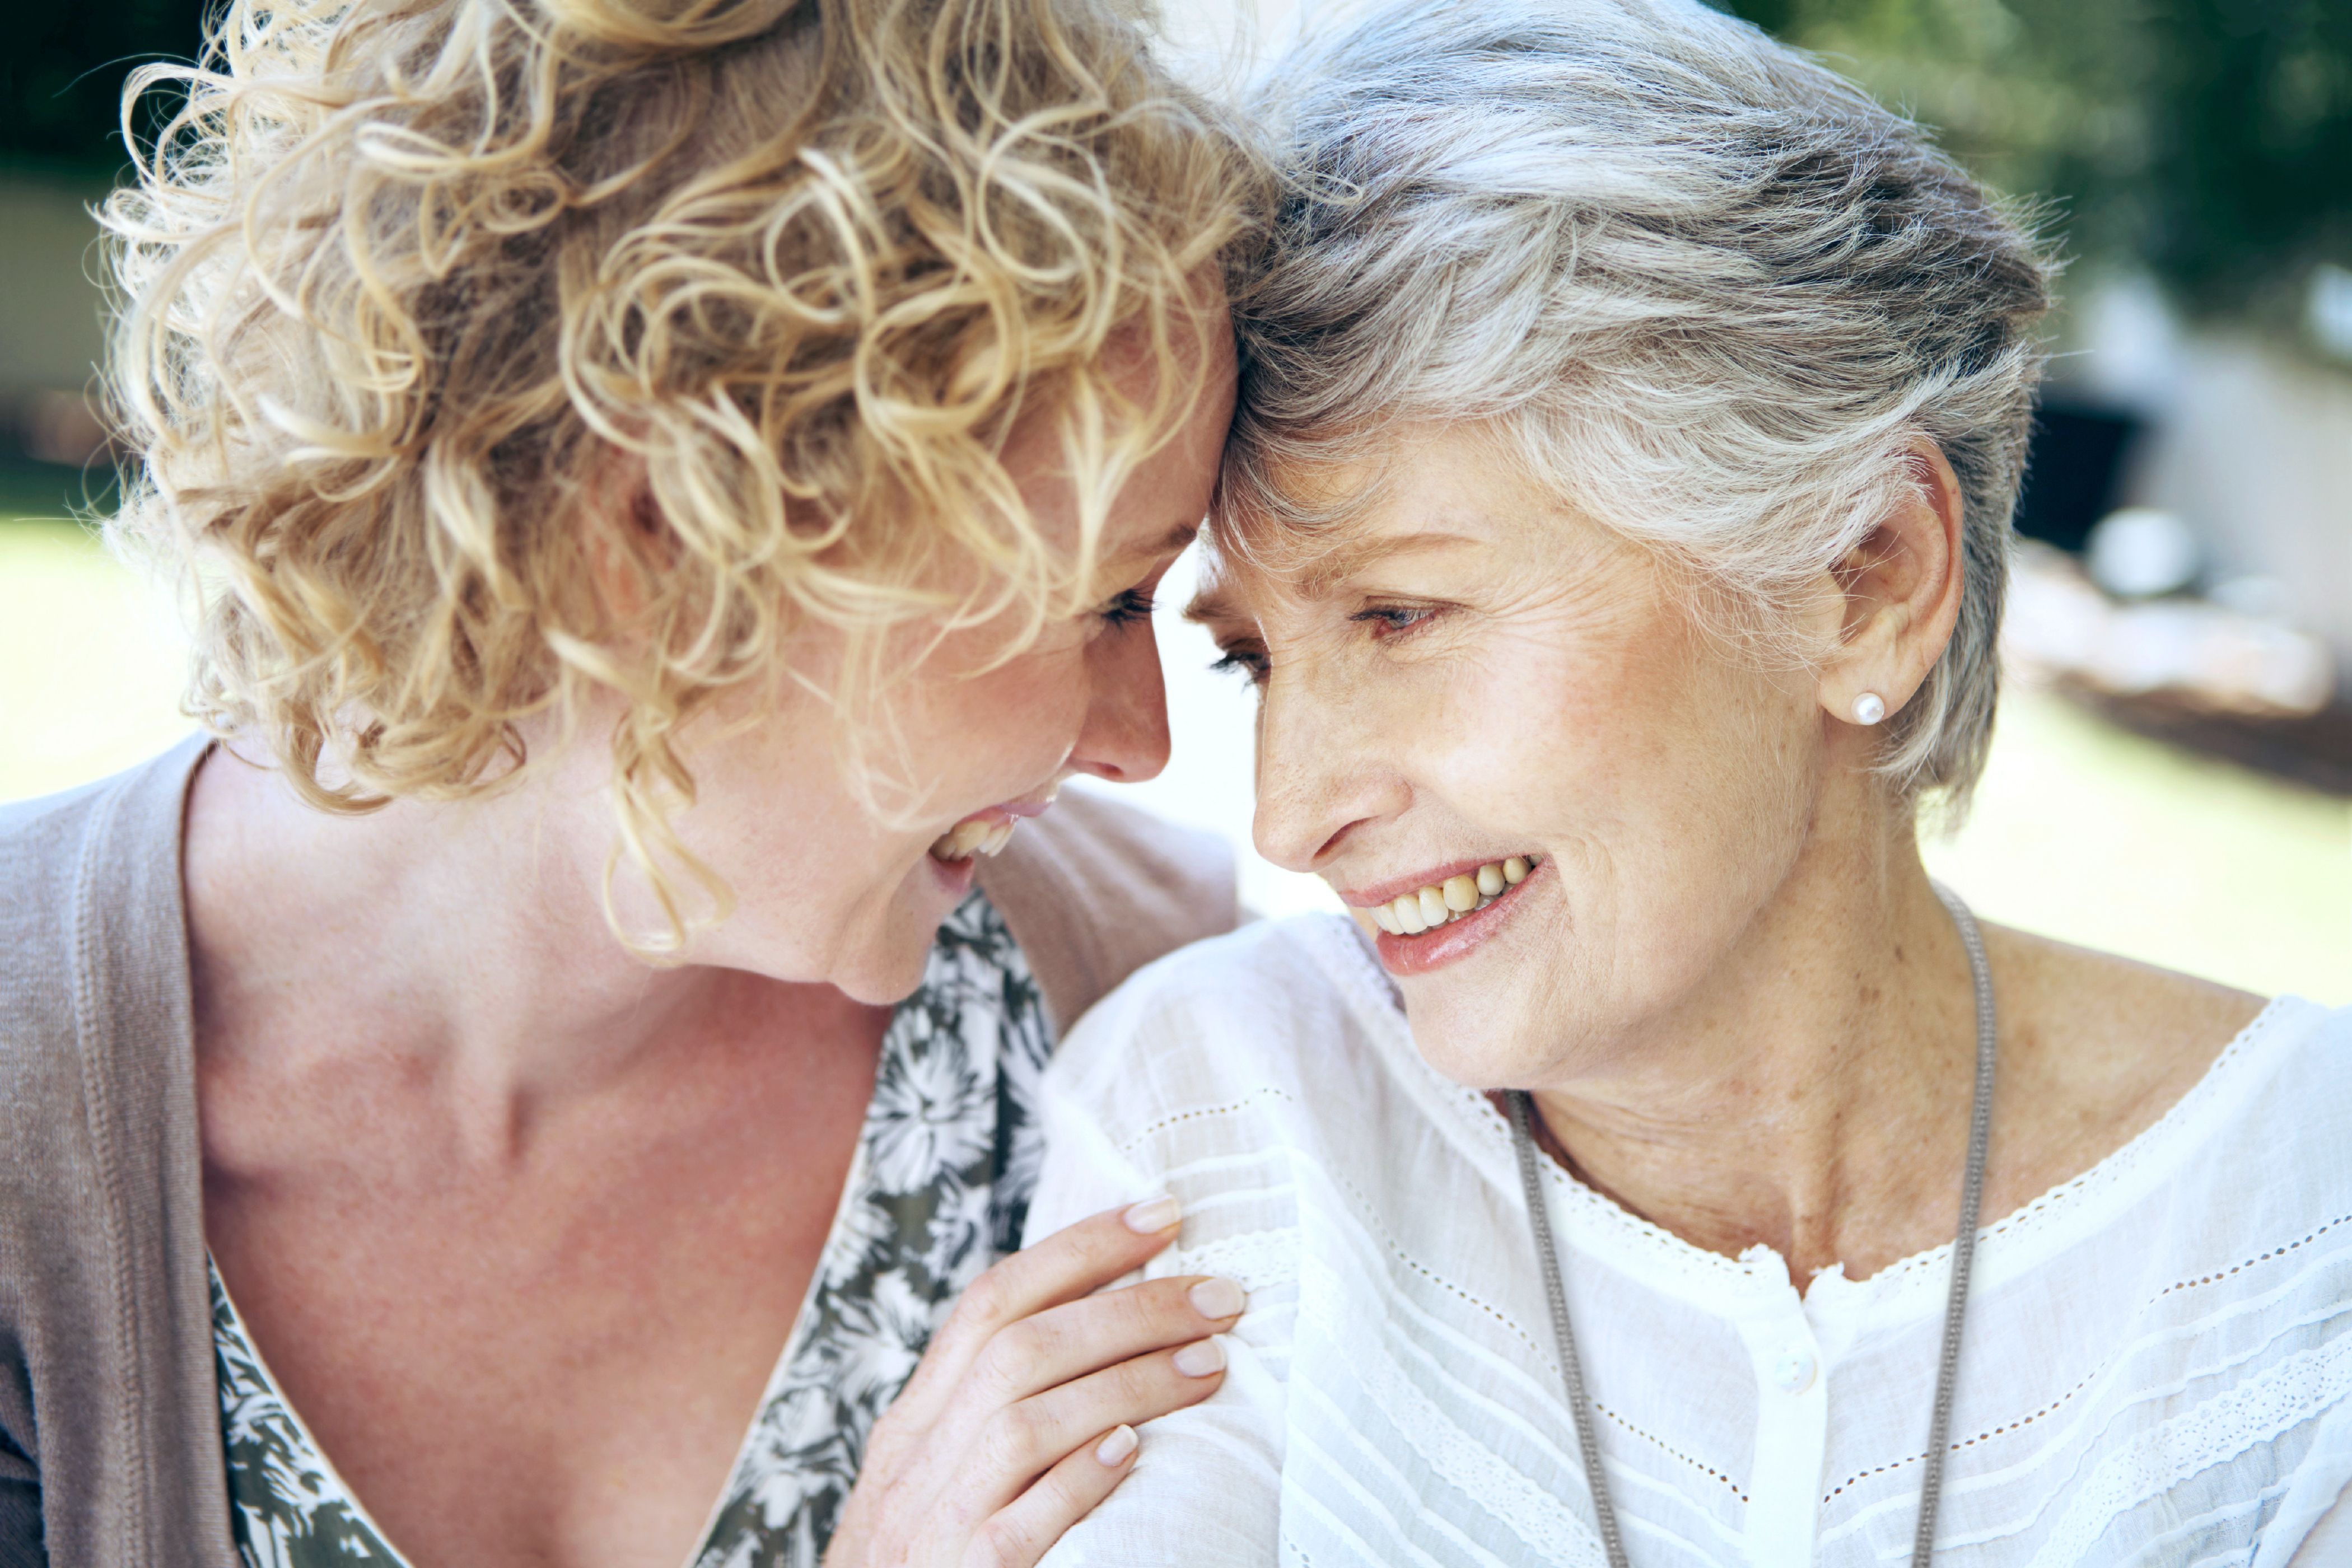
[
  {"x": 1127, "y": 608},
  {"x": 1388, "y": 620},
  {"x": 1244, "y": 660}
]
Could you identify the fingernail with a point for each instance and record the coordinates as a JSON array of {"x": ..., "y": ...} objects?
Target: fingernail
[
  {"x": 1216, "y": 1298},
  {"x": 1113, "y": 1450},
  {"x": 1200, "y": 1360},
  {"x": 1154, "y": 1215}
]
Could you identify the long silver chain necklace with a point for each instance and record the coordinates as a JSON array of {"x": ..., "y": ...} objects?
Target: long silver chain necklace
[{"x": 1964, "y": 1247}]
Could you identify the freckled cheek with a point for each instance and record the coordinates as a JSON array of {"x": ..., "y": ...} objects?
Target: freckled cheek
[
  {"x": 1545, "y": 742},
  {"x": 1020, "y": 721}
]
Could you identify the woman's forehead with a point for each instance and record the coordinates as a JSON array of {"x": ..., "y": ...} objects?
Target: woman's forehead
[{"x": 1432, "y": 492}]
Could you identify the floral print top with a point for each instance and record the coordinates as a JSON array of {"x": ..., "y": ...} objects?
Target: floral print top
[{"x": 939, "y": 1186}]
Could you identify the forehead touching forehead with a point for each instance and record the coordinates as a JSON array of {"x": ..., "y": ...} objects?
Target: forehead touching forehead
[
  {"x": 1281, "y": 534},
  {"x": 1116, "y": 472},
  {"x": 1306, "y": 524}
]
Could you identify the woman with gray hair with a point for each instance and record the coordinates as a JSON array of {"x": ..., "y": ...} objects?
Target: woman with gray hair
[{"x": 1614, "y": 529}]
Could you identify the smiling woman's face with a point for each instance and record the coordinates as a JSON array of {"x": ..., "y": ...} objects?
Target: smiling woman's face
[
  {"x": 1479, "y": 674},
  {"x": 831, "y": 890}
]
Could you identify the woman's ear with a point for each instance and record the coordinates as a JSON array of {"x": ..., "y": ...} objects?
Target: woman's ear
[
  {"x": 1899, "y": 591},
  {"x": 626, "y": 540}
]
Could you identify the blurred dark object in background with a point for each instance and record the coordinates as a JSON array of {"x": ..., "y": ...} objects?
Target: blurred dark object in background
[
  {"x": 53, "y": 427},
  {"x": 61, "y": 76},
  {"x": 2073, "y": 470},
  {"x": 2314, "y": 750},
  {"x": 2209, "y": 141},
  {"x": 2191, "y": 671}
]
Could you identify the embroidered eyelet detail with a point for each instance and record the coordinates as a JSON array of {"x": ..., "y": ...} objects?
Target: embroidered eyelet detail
[
  {"x": 1671, "y": 1452},
  {"x": 1200, "y": 1113},
  {"x": 2249, "y": 1263},
  {"x": 2095, "y": 1372}
]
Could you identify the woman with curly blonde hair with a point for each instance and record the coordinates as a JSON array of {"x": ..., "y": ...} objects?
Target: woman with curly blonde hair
[{"x": 663, "y": 489}]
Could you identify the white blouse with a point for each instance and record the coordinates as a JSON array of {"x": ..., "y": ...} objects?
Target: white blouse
[{"x": 2157, "y": 1364}]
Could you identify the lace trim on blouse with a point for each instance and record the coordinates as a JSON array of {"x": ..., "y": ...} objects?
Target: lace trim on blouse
[{"x": 2227, "y": 1079}]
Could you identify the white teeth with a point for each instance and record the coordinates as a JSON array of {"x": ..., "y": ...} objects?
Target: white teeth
[
  {"x": 959, "y": 842},
  {"x": 1409, "y": 914},
  {"x": 976, "y": 836}
]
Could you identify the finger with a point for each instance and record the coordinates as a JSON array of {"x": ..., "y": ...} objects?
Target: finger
[
  {"x": 1071, "y": 1263},
  {"x": 1026, "y": 1528},
  {"x": 1087, "y": 1335},
  {"x": 1021, "y": 1442}
]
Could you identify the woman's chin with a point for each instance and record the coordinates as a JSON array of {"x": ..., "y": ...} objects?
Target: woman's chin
[
  {"x": 881, "y": 943},
  {"x": 885, "y": 971},
  {"x": 1467, "y": 1044}
]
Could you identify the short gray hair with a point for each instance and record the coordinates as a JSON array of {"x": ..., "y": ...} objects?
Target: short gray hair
[{"x": 1710, "y": 290}]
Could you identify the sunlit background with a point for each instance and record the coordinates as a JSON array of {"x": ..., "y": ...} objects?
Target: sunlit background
[{"x": 2172, "y": 776}]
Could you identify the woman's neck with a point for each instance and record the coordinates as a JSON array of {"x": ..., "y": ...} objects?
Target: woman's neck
[
  {"x": 460, "y": 948},
  {"x": 1812, "y": 1095}
]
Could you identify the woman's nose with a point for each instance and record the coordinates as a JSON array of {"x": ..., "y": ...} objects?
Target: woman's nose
[
  {"x": 1317, "y": 778},
  {"x": 1125, "y": 736}
]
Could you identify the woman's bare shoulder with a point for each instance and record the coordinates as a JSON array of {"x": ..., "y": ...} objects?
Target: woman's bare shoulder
[
  {"x": 2100, "y": 1046},
  {"x": 2102, "y": 994}
]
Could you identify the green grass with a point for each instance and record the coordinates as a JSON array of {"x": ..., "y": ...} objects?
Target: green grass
[
  {"x": 93, "y": 656},
  {"x": 2103, "y": 838}
]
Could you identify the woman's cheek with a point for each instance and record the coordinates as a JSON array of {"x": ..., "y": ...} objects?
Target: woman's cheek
[{"x": 1031, "y": 716}]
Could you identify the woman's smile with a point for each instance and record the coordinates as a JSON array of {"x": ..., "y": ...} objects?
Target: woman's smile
[
  {"x": 1443, "y": 917},
  {"x": 954, "y": 857},
  {"x": 988, "y": 830}
]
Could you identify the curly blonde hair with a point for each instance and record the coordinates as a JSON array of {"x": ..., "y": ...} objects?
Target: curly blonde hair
[{"x": 486, "y": 354}]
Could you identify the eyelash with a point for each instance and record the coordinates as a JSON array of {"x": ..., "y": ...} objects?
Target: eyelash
[
  {"x": 1127, "y": 608},
  {"x": 1246, "y": 662},
  {"x": 1399, "y": 620}
]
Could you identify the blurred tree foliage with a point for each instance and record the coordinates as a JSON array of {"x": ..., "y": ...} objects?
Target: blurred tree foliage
[
  {"x": 61, "y": 75},
  {"x": 2209, "y": 141}
]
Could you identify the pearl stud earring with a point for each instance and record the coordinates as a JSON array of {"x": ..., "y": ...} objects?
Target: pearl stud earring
[{"x": 1869, "y": 708}]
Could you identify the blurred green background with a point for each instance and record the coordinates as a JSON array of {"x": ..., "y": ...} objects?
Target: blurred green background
[
  {"x": 2207, "y": 143},
  {"x": 2194, "y": 156}
]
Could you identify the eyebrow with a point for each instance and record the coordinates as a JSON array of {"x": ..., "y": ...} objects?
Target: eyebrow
[
  {"x": 1210, "y": 604},
  {"x": 1341, "y": 562}
]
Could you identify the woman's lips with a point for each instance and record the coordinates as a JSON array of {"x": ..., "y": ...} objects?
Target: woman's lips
[
  {"x": 988, "y": 830},
  {"x": 1431, "y": 946}
]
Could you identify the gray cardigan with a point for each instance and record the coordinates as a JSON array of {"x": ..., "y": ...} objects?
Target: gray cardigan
[{"x": 110, "y": 1417}]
